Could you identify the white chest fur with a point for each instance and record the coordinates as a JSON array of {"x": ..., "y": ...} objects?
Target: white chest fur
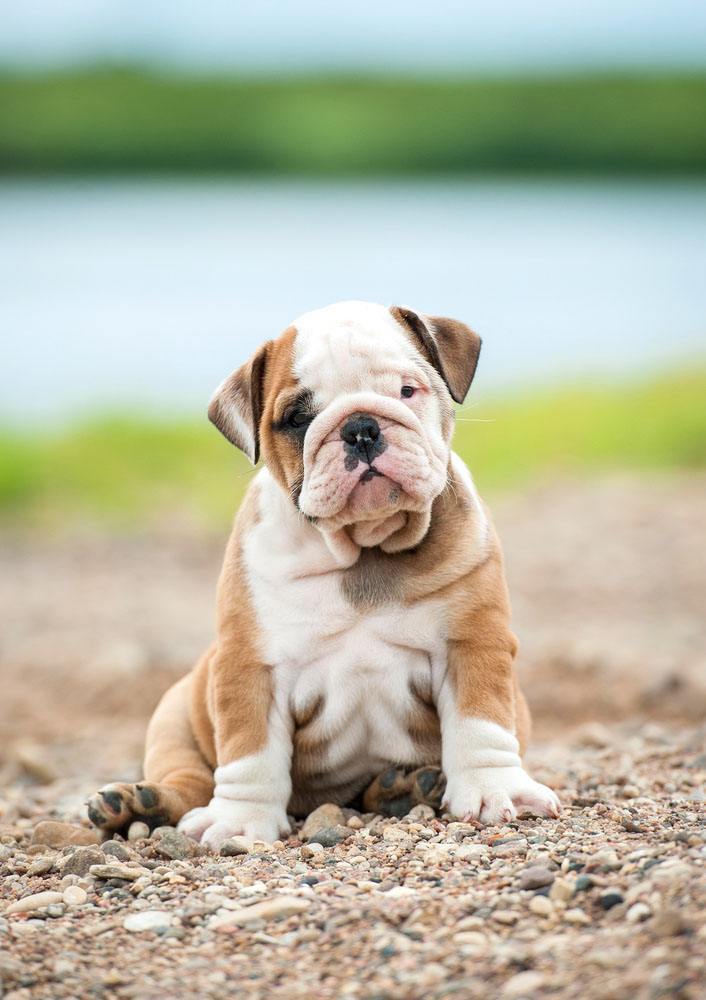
[{"x": 360, "y": 667}]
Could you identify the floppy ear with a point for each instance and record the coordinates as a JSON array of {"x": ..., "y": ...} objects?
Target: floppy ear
[
  {"x": 237, "y": 404},
  {"x": 449, "y": 346}
]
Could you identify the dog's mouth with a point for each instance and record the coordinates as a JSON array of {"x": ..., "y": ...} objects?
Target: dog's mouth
[{"x": 369, "y": 474}]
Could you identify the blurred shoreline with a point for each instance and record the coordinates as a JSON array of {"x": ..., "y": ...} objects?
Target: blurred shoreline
[{"x": 128, "y": 120}]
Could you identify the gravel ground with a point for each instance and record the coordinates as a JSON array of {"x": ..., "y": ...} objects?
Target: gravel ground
[{"x": 608, "y": 582}]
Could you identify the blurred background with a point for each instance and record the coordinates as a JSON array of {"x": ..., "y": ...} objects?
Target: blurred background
[{"x": 179, "y": 181}]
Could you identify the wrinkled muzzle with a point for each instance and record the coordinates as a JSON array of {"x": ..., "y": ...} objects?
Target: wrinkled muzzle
[{"x": 368, "y": 458}]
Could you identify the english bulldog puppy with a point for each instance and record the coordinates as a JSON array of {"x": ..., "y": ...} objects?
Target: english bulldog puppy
[{"x": 362, "y": 613}]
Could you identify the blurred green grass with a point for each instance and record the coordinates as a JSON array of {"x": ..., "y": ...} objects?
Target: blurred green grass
[
  {"x": 125, "y": 473},
  {"x": 126, "y": 120}
]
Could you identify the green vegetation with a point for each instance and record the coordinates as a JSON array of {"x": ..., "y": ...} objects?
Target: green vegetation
[
  {"x": 133, "y": 121},
  {"x": 126, "y": 473}
]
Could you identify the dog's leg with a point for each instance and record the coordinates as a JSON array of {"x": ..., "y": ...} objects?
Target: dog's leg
[
  {"x": 484, "y": 719},
  {"x": 177, "y": 777},
  {"x": 253, "y": 749}
]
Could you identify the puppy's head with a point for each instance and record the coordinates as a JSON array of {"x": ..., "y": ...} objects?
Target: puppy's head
[{"x": 351, "y": 408}]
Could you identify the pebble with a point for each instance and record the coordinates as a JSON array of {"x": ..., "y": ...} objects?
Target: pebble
[
  {"x": 79, "y": 862},
  {"x": 535, "y": 877},
  {"x": 330, "y": 836},
  {"x": 326, "y": 817},
  {"x": 148, "y": 920},
  {"x": 309, "y": 851},
  {"x": 116, "y": 850},
  {"x": 524, "y": 984},
  {"x": 74, "y": 895},
  {"x": 606, "y": 860},
  {"x": 116, "y": 871},
  {"x": 637, "y": 913},
  {"x": 610, "y": 899},
  {"x": 667, "y": 923},
  {"x": 41, "y": 866},
  {"x": 561, "y": 891},
  {"x": 541, "y": 905},
  {"x": 268, "y": 909},
  {"x": 53, "y": 834},
  {"x": 169, "y": 843},
  {"x": 138, "y": 831},
  {"x": 576, "y": 916},
  {"x": 234, "y": 846},
  {"x": 37, "y": 901},
  {"x": 505, "y": 916}
]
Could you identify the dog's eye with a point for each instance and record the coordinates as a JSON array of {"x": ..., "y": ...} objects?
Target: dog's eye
[
  {"x": 298, "y": 418},
  {"x": 407, "y": 391}
]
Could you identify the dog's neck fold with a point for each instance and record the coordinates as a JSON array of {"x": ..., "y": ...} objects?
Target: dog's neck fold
[{"x": 394, "y": 533}]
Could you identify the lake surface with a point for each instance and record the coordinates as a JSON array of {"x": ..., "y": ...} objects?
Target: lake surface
[{"x": 145, "y": 294}]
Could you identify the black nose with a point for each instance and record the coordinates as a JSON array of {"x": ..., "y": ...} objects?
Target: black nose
[{"x": 362, "y": 436}]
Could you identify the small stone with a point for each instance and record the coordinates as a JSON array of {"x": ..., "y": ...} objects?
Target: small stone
[
  {"x": 41, "y": 866},
  {"x": 80, "y": 861},
  {"x": 583, "y": 882},
  {"x": 331, "y": 836},
  {"x": 524, "y": 984},
  {"x": 561, "y": 891},
  {"x": 355, "y": 823},
  {"x": 326, "y": 817},
  {"x": 576, "y": 916},
  {"x": 116, "y": 871},
  {"x": 55, "y": 909},
  {"x": 473, "y": 939},
  {"x": 541, "y": 905},
  {"x": 57, "y": 835},
  {"x": 138, "y": 831},
  {"x": 535, "y": 877},
  {"x": 148, "y": 920},
  {"x": 637, "y": 913},
  {"x": 508, "y": 917},
  {"x": 173, "y": 845},
  {"x": 610, "y": 899},
  {"x": 74, "y": 895},
  {"x": 308, "y": 851},
  {"x": 234, "y": 846},
  {"x": 116, "y": 850},
  {"x": 37, "y": 901},
  {"x": 668, "y": 923},
  {"x": 268, "y": 909},
  {"x": 421, "y": 814},
  {"x": 607, "y": 860}
]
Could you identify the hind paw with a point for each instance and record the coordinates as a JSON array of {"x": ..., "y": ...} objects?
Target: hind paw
[{"x": 397, "y": 790}]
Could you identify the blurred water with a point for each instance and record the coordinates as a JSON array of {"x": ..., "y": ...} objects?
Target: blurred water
[{"x": 144, "y": 294}]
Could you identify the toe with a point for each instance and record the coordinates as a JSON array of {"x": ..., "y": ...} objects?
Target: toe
[
  {"x": 195, "y": 823},
  {"x": 497, "y": 808}
]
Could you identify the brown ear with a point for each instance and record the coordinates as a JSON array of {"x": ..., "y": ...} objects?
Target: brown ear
[
  {"x": 449, "y": 346},
  {"x": 237, "y": 404}
]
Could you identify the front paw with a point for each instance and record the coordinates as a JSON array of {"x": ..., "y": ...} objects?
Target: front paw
[
  {"x": 495, "y": 795},
  {"x": 222, "y": 819}
]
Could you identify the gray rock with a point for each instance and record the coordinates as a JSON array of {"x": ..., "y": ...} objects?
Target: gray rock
[
  {"x": 234, "y": 846},
  {"x": 81, "y": 860},
  {"x": 169, "y": 843},
  {"x": 116, "y": 850},
  {"x": 535, "y": 877},
  {"x": 332, "y": 835},
  {"x": 116, "y": 871}
]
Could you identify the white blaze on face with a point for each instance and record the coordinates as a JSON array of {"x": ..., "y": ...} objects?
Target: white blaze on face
[{"x": 354, "y": 358}]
